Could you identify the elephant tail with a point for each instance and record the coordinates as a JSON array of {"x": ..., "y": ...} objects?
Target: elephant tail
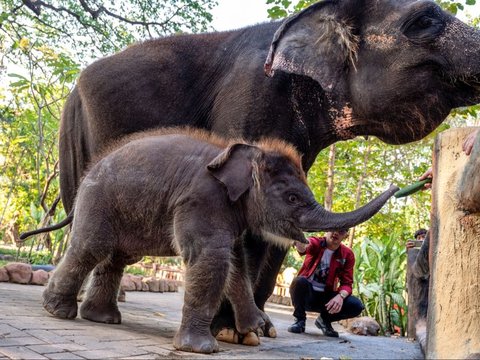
[{"x": 60, "y": 225}]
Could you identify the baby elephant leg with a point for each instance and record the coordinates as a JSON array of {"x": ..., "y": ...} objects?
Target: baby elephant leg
[
  {"x": 204, "y": 284},
  {"x": 248, "y": 318},
  {"x": 60, "y": 295},
  {"x": 100, "y": 303}
]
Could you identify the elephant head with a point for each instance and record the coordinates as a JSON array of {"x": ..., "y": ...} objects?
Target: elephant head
[
  {"x": 389, "y": 68},
  {"x": 278, "y": 203}
]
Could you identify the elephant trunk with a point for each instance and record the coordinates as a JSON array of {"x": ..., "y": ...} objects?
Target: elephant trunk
[{"x": 323, "y": 220}]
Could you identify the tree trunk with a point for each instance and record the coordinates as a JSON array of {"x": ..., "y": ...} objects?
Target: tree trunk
[
  {"x": 358, "y": 193},
  {"x": 412, "y": 311},
  {"x": 453, "y": 319},
  {"x": 330, "y": 176}
]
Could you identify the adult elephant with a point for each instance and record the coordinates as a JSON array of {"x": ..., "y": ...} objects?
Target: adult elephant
[{"x": 338, "y": 69}]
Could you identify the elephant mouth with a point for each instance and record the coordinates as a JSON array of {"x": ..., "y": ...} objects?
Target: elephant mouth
[
  {"x": 284, "y": 240},
  {"x": 469, "y": 89}
]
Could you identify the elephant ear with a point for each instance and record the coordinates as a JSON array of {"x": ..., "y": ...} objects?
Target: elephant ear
[
  {"x": 234, "y": 167},
  {"x": 316, "y": 42}
]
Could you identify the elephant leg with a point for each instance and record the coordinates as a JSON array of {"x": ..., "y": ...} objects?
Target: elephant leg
[
  {"x": 263, "y": 262},
  {"x": 248, "y": 318},
  {"x": 205, "y": 277},
  {"x": 265, "y": 280},
  {"x": 100, "y": 303},
  {"x": 60, "y": 295}
]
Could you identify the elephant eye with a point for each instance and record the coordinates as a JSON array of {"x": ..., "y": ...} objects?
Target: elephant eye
[
  {"x": 424, "y": 26},
  {"x": 292, "y": 198},
  {"x": 424, "y": 22}
]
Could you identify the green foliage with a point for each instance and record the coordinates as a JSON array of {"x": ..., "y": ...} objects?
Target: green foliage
[
  {"x": 380, "y": 280},
  {"x": 98, "y": 27},
  {"x": 385, "y": 165},
  {"x": 43, "y": 45},
  {"x": 292, "y": 259},
  {"x": 282, "y": 8},
  {"x": 135, "y": 271},
  {"x": 8, "y": 251},
  {"x": 29, "y": 117},
  {"x": 37, "y": 257}
]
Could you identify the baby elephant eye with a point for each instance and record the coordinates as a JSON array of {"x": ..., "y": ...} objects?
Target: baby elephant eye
[{"x": 292, "y": 198}]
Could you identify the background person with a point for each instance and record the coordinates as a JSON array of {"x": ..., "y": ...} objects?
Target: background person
[
  {"x": 419, "y": 236},
  {"x": 327, "y": 263}
]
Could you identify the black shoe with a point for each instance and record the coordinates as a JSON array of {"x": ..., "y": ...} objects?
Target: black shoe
[
  {"x": 298, "y": 327},
  {"x": 326, "y": 327}
]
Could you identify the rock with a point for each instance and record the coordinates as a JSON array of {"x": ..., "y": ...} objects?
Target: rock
[
  {"x": 39, "y": 277},
  {"x": 363, "y": 325},
  {"x": 19, "y": 273},
  {"x": 137, "y": 280},
  {"x": 274, "y": 298},
  {"x": 172, "y": 286},
  {"x": 127, "y": 283},
  {"x": 286, "y": 301},
  {"x": 4, "y": 275},
  {"x": 162, "y": 285},
  {"x": 153, "y": 284}
]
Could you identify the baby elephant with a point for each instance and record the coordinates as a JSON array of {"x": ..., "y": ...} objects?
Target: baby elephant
[{"x": 184, "y": 192}]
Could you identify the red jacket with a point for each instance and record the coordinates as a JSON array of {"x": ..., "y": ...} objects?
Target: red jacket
[{"x": 341, "y": 265}]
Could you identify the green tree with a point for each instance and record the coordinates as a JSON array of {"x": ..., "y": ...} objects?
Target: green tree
[
  {"x": 43, "y": 45},
  {"x": 92, "y": 28},
  {"x": 380, "y": 281}
]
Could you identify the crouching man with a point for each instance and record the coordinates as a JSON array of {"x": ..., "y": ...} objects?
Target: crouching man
[{"x": 327, "y": 263}]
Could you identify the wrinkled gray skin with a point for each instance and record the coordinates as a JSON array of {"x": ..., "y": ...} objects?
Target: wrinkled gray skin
[
  {"x": 179, "y": 194},
  {"x": 339, "y": 69}
]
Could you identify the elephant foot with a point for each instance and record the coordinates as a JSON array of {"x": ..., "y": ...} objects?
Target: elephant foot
[
  {"x": 232, "y": 336},
  {"x": 185, "y": 340},
  {"x": 249, "y": 320},
  {"x": 267, "y": 330},
  {"x": 271, "y": 332},
  {"x": 103, "y": 313},
  {"x": 61, "y": 306}
]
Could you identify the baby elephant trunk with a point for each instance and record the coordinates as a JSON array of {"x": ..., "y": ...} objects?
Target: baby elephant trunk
[{"x": 322, "y": 220}]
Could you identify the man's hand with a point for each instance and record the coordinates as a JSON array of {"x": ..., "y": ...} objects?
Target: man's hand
[
  {"x": 334, "y": 305},
  {"x": 301, "y": 247},
  {"x": 410, "y": 244},
  {"x": 426, "y": 174},
  {"x": 468, "y": 143}
]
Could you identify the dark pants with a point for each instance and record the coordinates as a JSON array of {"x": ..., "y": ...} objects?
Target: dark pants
[{"x": 304, "y": 298}]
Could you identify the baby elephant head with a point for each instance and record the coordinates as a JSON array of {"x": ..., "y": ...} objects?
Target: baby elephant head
[{"x": 278, "y": 202}]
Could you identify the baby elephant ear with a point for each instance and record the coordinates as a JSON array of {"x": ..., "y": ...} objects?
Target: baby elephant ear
[{"x": 233, "y": 168}]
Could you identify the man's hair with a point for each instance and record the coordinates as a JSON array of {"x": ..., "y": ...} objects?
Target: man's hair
[{"x": 419, "y": 232}]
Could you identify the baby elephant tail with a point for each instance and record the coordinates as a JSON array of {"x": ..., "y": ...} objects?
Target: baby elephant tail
[{"x": 61, "y": 224}]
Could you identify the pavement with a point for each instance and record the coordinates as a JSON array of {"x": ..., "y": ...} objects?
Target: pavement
[{"x": 149, "y": 322}]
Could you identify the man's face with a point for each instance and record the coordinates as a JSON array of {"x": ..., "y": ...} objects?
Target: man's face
[
  {"x": 336, "y": 237},
  {"x": 420, "y": 237}
]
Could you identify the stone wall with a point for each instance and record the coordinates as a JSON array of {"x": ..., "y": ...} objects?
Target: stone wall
[{"x": 22, "y": 273}]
